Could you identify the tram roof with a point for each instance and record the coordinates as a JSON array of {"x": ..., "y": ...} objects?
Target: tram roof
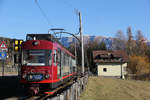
[{"x": 48, "y": 37}]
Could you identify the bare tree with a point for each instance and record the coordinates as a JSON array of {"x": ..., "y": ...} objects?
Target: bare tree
[
  {"x": 131, "y": 43},
  {"x": 141, "y": 46},
  {"x": 119, "y": 41}
]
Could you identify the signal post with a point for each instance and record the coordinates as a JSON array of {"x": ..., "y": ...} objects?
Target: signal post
[
  {"x": 3, "y": 55},
  {"x": 17, "y": 53}
]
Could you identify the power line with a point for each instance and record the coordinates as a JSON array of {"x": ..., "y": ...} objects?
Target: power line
[
  {"x": 43, "y": 13},
  {"x": 76, "y": 11},
  {"x": 46, "y": 18},
  {"x": 70, "y": 5}
]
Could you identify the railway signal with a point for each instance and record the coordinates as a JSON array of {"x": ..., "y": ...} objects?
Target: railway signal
[
  {"x": 17, "y": 50},
  {"x": 17, "y": 45}
]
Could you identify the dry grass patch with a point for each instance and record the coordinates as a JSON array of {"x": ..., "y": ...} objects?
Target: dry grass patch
[{"x": 99, "y": 88}]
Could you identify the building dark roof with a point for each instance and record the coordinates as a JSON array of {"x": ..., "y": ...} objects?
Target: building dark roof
[{"x": 102, "y": 56}]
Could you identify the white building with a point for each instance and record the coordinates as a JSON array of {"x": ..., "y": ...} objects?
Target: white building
[{"x": 111, "y": 64}]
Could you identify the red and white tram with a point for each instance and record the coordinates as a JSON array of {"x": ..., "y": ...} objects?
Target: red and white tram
[{"x": 45, "y": 63}]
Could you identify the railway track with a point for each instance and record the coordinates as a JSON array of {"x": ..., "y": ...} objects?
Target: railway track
[
  {"x": 48, "y": 94},
  {"x": 36, "y": 97}
]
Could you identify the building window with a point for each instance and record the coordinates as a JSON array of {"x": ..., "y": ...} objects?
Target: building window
[{"x": 104, "y": 69}]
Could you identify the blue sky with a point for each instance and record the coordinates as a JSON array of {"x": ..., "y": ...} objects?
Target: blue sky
[{"x": 100, "y": 17}]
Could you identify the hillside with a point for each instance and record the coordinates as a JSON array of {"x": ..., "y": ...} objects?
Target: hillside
[
  {"x": 109, "y": 41},
  {"x": 66, "y": 41},
  {"x": 115, "y": 89}
]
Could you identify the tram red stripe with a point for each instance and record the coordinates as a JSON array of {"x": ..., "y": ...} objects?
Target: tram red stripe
[{"x": 48, "y": 81}]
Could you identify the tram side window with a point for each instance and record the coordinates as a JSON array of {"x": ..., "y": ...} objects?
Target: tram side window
[
  {"x": 58, "y": 56},
  {"x": 50, "y": 58},
  {"x": 71, "y": 67},
  {"x": 55, "y": 56},
  {"x": 68, "y": 61},
  {"x": 64, "y": 59},
  {"x": 67, "y": 64}
]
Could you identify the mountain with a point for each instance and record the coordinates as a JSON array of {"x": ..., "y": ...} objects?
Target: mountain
[
  {"x": 111, "y": 43},
  {"x": 66, "y": 41}
]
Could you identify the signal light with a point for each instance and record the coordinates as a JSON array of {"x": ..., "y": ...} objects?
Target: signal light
[
  {"x": 16, "y": 48},
  {"x": 16, "y": 42},
  {"x": 17, "y": 45},
  {"x": 21, "y": 42}
]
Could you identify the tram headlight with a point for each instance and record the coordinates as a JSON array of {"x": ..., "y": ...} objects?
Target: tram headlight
[
  {"x": 47, "y": 76},
  {"x": 30, "y": 77},
  {"x": 24, "y": 75},
  {"x": 35, "y": 43}
]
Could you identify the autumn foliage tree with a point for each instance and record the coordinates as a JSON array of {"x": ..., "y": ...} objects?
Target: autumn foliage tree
[
  {"x": 139, "y": 65},
  {"x": 137, "y": 50}
]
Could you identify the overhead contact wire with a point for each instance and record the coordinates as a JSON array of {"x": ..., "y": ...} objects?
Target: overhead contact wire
[
  {"x": 75, "y": 10},
  {"x": 43, "y": 13}
]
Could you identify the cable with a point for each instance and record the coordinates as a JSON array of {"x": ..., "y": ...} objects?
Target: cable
[
  {"x": 45, "y": 16},
  {"x": 75, "y": 10},
  {"x": 70, "y": 5},
  {"x": 43, "y": 13}
]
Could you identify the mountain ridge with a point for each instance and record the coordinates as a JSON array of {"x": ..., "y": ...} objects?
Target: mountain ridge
[{"x": 109, "y": 41}]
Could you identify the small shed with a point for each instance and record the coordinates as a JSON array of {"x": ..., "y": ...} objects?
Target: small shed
[{"x": 111, "y": 63}]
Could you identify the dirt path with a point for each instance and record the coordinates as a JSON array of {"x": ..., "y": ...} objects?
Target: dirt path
[{"x": 99, "y": 88}]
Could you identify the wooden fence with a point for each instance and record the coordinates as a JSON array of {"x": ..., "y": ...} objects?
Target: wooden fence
[{"x": 74, "y": 92}]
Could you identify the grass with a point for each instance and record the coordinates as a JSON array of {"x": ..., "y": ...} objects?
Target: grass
[{"x": 99, "y": 88}]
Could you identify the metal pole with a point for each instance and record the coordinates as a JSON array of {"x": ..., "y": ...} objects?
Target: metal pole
[
  {"x": 3, "y": 67},
  {"x": 82, "y": 47}
]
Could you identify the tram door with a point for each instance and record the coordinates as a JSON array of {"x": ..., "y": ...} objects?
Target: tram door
[
  {"x": 62, "y": 64},
  {"x": 59, "y": 64}
]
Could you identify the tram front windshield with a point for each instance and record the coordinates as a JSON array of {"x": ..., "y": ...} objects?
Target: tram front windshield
[{"x": 37, "y": 57}]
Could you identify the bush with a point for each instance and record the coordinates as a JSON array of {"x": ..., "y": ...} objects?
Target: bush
[{"x": 139, "y": 65}]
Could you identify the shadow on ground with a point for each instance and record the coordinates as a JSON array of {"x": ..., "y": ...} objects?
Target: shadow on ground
[{"x": 10, "y": 87}]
